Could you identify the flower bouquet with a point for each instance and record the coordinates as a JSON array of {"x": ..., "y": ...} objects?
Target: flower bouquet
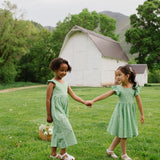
[{"x": 45, "y": 132}]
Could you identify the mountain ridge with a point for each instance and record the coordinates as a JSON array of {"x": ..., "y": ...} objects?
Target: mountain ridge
[{"x": 122, "y": 25}]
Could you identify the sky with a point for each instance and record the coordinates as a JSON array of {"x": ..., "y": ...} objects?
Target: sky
[{"x": 49, "y": 12}]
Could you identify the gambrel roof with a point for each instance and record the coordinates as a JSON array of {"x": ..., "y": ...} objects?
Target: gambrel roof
[{"x": 106, "y": 45}]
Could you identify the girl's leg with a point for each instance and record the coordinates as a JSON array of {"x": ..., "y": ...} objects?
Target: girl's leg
[
  {"x": 63, "y": 151},
  {"x": 123, "y": 148},
  {"x": 53, "y": 151},
  {"x": 114, "y": 143},
  {"x": 123, "y": 145}
]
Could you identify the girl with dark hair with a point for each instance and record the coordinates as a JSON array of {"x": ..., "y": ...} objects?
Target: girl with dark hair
[
  {"x": 123, "y": 123},
  {"x": 57, "y": 109}
]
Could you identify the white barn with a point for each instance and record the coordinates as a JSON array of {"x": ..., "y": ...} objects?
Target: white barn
[{"x": 92, "y": 56}]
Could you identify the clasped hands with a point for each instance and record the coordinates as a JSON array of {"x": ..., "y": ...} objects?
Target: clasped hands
[{"x": 89, "y": 103}]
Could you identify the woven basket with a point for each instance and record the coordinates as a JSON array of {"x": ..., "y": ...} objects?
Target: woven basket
[{"x": 45, "y": 137}]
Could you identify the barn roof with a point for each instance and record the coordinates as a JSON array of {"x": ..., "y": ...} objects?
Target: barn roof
[
  {"x": 106, "y": 45},
  {"x": 139, "y": 68}
]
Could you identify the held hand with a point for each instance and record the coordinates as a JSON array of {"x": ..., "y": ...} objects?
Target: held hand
[
  {"x": 142, "y": 119},
  {"x": 89, "y": 103},
  {"x": 49, "y": 119}
]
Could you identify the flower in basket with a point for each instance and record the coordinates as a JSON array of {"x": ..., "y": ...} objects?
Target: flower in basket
[{"x": 45, "y": 132}]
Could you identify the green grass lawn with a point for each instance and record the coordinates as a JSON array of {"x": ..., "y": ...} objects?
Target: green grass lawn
[
  {"x": 17, "y": 84},
  {"x": 23, "y": 111}
]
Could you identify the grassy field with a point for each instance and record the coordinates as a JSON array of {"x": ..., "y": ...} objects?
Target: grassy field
[
  {"x": 23, "y": 111},
  {"x": 17, "y": 84}
]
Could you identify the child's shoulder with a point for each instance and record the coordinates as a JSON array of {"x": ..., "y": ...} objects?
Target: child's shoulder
[
  {"x": 137, "y": 89},
  {"x": 51, "y": 81},
  {"x": 116, "y": 89}
]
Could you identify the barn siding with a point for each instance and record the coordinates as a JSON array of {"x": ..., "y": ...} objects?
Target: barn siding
[
  {"x": 85, "y": 60},
  {"x": 142, "y": 78}
]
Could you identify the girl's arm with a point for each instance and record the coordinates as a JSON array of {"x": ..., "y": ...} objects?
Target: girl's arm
[
  {"x": 74, "y": 96},
  {"x": 139, "y": 103},
  {"x": 50, "y": 88},
  {"x": 103, "y": 96}
]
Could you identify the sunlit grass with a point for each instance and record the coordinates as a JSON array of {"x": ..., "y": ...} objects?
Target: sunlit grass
[{"x": 22, "y": 112}]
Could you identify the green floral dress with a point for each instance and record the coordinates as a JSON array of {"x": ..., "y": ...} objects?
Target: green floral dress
[
  {"x": 123, "y": 122},
  {"x": 63, "y": 135}
]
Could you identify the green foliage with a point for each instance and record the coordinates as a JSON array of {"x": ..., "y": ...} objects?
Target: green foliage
[
  {"x": 8, "y": 72},
  {"x": 144, "y": 35},
  {"x": 34, "y": 66},
  {"x": 13, "y": 36},
  {"x": 23, "y": 111},
  {"x": 154, "y": 76},
  {"x": 25, "y": 46},
  {"x": 100, "y": 23}
]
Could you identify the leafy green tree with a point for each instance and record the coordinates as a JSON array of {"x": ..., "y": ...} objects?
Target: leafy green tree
[
  {"x": 13, "y": 35},
  {"x": 144, "y": 34},
  {"x": 100, "y": 23},
  {"x": 34, "y": 66}
]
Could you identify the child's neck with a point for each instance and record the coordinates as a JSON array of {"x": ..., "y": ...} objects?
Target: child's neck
[
  {"x": 126, "y": 84},
  {"x": 58, "y": 79}
]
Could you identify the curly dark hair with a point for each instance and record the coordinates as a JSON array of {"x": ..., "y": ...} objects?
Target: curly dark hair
[
  {"x": 56, "y": 62},
  {"x": 128, "y": 70}
]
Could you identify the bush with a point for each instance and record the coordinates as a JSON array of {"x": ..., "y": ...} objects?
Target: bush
[
  {"x": 154, "y": 77},
  {"x": 8, "y": 73}
]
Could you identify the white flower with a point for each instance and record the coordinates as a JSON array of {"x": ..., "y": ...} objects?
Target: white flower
[
  {"x": 50, "y": 131},
  {"x": 45, "y": 133},
  {"x": 42, "y": 127},
  {"x": 10, "y": 109}
]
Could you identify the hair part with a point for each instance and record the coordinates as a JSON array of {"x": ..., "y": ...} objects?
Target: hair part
[
  {"x": 56, "y": 63},
  {"x": 128, "y": 70}
]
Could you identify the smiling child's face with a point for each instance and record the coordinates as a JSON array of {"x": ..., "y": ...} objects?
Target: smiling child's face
[{"x": 62, "y": 71}]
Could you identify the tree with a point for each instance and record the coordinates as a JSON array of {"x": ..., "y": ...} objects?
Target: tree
[
  {"x": 144, "y": 34},
  {"x": 100, "y": 23},
  {"x": 34, "y": 66},
  {"x": 13, "y": 35}
]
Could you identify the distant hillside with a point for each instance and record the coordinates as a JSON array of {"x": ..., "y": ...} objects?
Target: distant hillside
[
  {"x": 123, "y": 23},
  {"x": 49, "y": 28}
]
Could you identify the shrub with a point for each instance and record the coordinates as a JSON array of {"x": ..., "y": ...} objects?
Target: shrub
[
  {"x": 8, "y": 73},
  {"x": 154, "y": 77}
]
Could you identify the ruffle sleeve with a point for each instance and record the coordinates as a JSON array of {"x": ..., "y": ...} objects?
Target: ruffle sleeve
[
  {"x": 116, "y": 89},
  {"x": 137, "y": 90},
  {"x": 52, "y": 80}
]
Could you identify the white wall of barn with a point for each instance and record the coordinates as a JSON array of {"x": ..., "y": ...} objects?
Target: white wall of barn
[
  {"x": 85, "y": 60},
  {"x": 142, "y": 78}
]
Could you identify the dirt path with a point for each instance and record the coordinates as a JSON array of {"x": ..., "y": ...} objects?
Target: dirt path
[{"x": 15, "y": 89}]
